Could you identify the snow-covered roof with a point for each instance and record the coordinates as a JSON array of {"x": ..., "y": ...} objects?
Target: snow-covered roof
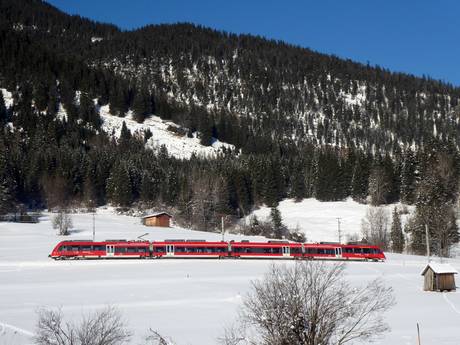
[
  {"x": 440, "y": 268},
  {"x": 156, "y": 215}
]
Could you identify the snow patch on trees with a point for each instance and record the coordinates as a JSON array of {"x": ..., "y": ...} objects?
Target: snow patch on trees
[{"x": 179, "y": 146}]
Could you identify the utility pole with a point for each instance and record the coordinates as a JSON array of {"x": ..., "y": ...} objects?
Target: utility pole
[
  {"x": 338, "y": 229},
  {"x": 223, "y": 229},
  {"x": 94, "y": 225},
  {"x": 418, "y": 335}
]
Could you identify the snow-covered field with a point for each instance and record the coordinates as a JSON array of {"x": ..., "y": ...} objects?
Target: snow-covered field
[{"x": 190, "y": 301}]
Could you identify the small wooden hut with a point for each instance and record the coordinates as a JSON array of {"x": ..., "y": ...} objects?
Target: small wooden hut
[
  {"x": 439, "y": 277},
  {"x": 162, "y": 219}
]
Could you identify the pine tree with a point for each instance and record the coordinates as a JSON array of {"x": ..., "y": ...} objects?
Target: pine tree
[
  {"x": 396, "y": 234},
  {"x": 142, "y": 105},
  {"x": 360, "y": 179},
  {"x": 119, "y": 188},
  {"x": 279, "y": 229},
  {"x": 298, "y": 182},
  {"x": 408, "y": 178}
]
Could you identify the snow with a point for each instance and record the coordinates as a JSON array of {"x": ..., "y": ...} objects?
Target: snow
[
  {"x": 179, "y": 146},
  {"x": 318, "y": 220},
  {"x": 8, "y": 97},
  {"x": 191, "y": 301},
  {"x": 440, "y": 268}
]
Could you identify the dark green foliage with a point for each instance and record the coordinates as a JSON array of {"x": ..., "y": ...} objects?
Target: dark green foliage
[
  {"x": 396, "y": 233},
  {"x": 279, "y": 228},
  {"x": 408, "y": 178},
  {"x": 119, "y": 188},
  {"x": 142, "y": 105},
  {"x": 360, "y": 179},
  {"x": 435, "y": 201}
]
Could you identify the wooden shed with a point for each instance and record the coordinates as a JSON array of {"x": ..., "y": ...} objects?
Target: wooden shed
[
  {"x": 439, "y": 277},
  {"x": 157, "y": 219}
]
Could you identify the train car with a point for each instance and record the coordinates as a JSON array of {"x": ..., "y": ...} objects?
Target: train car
[
  {"x": 322, "y": 251},
  {"x": 265, "y": 250},
  {"x": 87, "y": 249},
  {"x": 362, "y": 252},
  {"x": 189, "y": 249}
]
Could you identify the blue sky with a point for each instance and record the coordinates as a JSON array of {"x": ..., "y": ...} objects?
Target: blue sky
[{"x": 415, "y": 36}]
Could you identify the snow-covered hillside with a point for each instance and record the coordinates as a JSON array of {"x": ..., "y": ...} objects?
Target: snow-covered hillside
[
  {"x": 318, "y": 220},
  {"x": 190, "y": 301},
  {"x": 179, "y": 146}
]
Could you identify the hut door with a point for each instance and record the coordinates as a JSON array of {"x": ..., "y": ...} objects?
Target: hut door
[{"x": 169, "y": 250}]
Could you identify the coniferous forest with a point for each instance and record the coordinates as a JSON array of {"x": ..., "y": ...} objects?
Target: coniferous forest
[{"x": 303, "y": 124}]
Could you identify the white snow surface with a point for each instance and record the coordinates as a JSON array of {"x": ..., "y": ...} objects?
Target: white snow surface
[
  {"x": 190, "y": 301},
  {"x": 178, "y": 146},
  {"x": 318, "y": 219},
  {"x": 8, "y": 97}
]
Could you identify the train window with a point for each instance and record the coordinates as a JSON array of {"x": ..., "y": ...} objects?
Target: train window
[
  {"x": 366, "y": 250},
  {"x": 62, "y": 249},
  {"x": 326, "y": 251},
  {"x": 348, "y": 250},
  {"x": 296, "y": 250},
  {"x": 99, "y": 248},
  {"x": 357, "y": 250},
  {"x": 120, "y": 249},
  {"x": 86, "y": 248},
  {"x": 141, "y": 249},
  {"x": 75, "y": 248},
  {"x": 131, "y": 250},
  {"x": 159, "y": 249}
]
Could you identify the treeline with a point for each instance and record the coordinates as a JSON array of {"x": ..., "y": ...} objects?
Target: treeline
[{"x": 304, "y": 124}]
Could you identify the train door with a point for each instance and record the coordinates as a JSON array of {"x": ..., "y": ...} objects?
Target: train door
[
  {"x": 110, "y": 250},
  {"x": 169, "y": 250},
  {"x": 286, "y": 251},
  {"x": 338, "y": 253}
]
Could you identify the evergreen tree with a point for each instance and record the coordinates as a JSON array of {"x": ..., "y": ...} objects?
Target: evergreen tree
[
  {"x": 408, "y": 178},
  {"x": 396, "y": 234},
  {"x": 279, "y": 229},
  {"x": 142, "y": 105},
  {"x": 119, "y": 189},
  {"x": 359, "y": 182},
  {"x": 298, "y": 182}
]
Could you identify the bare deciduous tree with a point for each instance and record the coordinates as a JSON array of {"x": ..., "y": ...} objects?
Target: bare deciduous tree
[
  {"x": 104, "y": 327},
  {"x": 374, "y": 227},
  {"x": 62, "y": 222},
  {"x": 311, "y": 303},
  {"x": 156, "y": 338}
]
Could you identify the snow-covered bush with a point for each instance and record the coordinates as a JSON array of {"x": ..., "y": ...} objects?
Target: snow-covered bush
[{"x": 104, "y": 327}]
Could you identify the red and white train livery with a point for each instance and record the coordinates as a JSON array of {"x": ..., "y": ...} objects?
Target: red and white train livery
[{"x": 122, "y": 249}]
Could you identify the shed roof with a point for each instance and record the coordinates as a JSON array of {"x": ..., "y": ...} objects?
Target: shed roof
[
  {"x": 440, "y": 268},
  {"x": 157, "y": 214}
]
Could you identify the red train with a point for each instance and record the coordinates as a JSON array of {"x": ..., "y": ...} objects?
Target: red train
[{"x": 120, "y": 249}]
